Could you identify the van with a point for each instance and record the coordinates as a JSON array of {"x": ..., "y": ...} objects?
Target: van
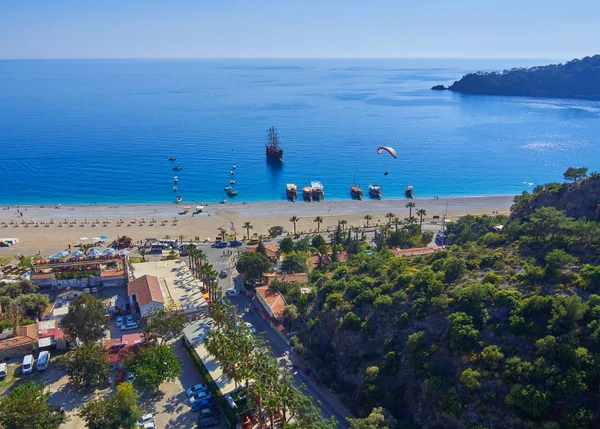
[
  {"x": 27, "y": 364},
  {"x": 3, "y": 370},
  {"x": 42, "y": 361}
]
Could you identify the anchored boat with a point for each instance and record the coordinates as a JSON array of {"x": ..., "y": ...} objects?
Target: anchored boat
[
  {"x": 375, "y": 190},
  {"x": 177, "y": 168},
  {"x": 274, "y": 151},
  {"x": 291, "y": 191},
  {"x": 172, "y": 158},
  {"x": 174, "y": 188},
  {"x": 355, "y": 190},
  {"x": 178, "y": 200},
  {"x": 232, "y": 192},
  {"x": 175, "y": 179},
  {"x": 307, "y": 193},
  {"x": 317, "y": 190},
  {"x": 409, "y": 192}
]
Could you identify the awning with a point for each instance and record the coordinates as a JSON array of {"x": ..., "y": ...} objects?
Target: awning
[{"x": 45, "y": 342}]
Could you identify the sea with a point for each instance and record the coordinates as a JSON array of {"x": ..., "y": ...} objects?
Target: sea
[{"x": 101, "y": 131}]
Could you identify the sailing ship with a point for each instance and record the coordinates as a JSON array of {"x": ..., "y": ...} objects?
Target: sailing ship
[
  {"x": 291, "y": 190},
  {"x": 274, "y": 151},
  {"x": 317, "y": 190},
  {"x": 355, "y": 190},
  {"x": 409, "y": 192},
  {"x": 375, "y": 190}
]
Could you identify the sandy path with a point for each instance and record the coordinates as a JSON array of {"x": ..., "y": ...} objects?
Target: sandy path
[{"x": 228, "y": 216}]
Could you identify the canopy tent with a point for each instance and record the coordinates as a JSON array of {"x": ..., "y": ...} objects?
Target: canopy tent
[
  {"x": 59, "y": 255},
  {"x": 103, "y": 237},
  {"x": 96, "y": 238},
  {"x": 77, "y": 254},
  {"x": 94, "y": 252},
  {"x": 109, "y": 251},
  {"x": 83, "y": 238}
]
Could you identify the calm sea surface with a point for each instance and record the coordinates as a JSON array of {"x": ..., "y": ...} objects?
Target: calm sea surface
[{"x": 101, "y": 131}]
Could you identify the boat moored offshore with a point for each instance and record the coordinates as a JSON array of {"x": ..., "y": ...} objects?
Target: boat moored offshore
[
  {"x": 274, "y": 151},
  {"x": 232, "y": 192},
  {"x": 374, "y": 190},
  {"x": 307, "y": 193},
  {"x": 317, "y": 190},
  {"x": 178, "y": 200},
  {"x": 172, "y": 158},
  {"x": 409, "y": 192},
  {"x": 356, "y": 192},
  {"x": 175, "y": 179},
  {"x": 291, "y": 191},
  {"x": 176, "y": 168}
]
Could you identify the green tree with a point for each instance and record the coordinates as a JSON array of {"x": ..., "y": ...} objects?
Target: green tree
[
  {"x": 100, "y": 414},
  {"x": 575, "y": 173},
  {"x": 421, "y": 213},
  {"x": 163, "y": 324},
  {"x": 491, "y": 356},
  {"x": 261, "y": 248},
  {"x": 547, "y": 220},
  {"x": 153, "y": 365},
  {"x": 529, "y": 400},
  {"x": 26, "y": 406},
  {"x": 286, "y": 245},
  {"x": 248, "y": 226},
  {"x": 318, "y": 241},
  {"x": 294, "y": 220},
  {"x": 410, "y": 206},
  {"x": 368, "y": 218},
  {"x": 128, "y": 410},
  {"x": 253, "y": 266},
  {"x": 290, "y": 312},
  {"x": 470, "y": 379},
  {"x": 379, "y": 418},
  {"x": 294, "y": 263},
  {"x": 319, "y": 221},
  {"x": 86, "y": 319},
  {"x": 390, "y": 217},
  {"x": 88, "y": 365},
  {"x": 463, "y": 336}
]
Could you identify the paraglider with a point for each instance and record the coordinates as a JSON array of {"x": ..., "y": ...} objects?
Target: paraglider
[{"x": 388, "y": 149}]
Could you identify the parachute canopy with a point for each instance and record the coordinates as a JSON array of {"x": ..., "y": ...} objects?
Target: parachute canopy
[{"x": 388, "y": 149}]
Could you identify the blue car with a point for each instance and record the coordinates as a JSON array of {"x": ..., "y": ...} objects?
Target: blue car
[
  {"x": 220, "y": 245},
  {"x": 235, "y": 243},
  {"x": 197, "y": 406}
]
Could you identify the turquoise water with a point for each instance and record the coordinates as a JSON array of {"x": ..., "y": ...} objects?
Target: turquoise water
[{"x": 101, "y": 131}]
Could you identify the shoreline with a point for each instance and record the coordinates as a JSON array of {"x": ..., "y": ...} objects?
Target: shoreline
[{"x": 170, "y": 219}]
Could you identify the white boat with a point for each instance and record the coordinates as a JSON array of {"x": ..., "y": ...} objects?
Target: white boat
[
  {"x": 232, "y": 172},
  {"x": 375, "y": 190},
  {"x": 232, "y": 181},
  {"x": 232, "y": 192},
  {"x": 174, "y": 188},
  {"x": 228, "y": 188},
  {"x": 175, "y": 179},
  {"x": 234, "y": 166},
  {"x": 317, "y": 190}
]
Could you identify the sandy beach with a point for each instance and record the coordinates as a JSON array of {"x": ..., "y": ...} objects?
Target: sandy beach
[{"x": 170, "y": 219}]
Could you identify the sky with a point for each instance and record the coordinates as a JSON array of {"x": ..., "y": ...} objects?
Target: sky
[{"x": 562, "y": 29}]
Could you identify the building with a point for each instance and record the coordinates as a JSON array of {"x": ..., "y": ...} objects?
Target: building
[
  {"x": 22, "y": 344},
  {"x": 415, "y": 251},
  {"x": 195, "y": 333},
  {"x": 286, "y": 278},
  {"x": 271, "y": 250},
  {"x": 117, "y": 349},
  {"x": 271, "y": 301},
  {"x": 82, "y": 272},
  {"x": 314, "y": 260},
  {"x": 145, "y": 295},
  {"x": 179, "y": 289},
  {"x": 51, "y": 335},
  {"x": 60, "y": 306}
]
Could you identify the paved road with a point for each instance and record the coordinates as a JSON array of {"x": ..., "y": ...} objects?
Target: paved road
[{"x": 330, "y": 406}]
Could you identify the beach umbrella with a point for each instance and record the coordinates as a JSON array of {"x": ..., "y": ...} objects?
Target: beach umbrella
[
  {"x": 103, "y": 237},
  {"x": 199, "y": 207},
  {"x": 123, "y": 252},
  {"x": 77, "y": 254},
  {"x": 187, "y": 207},
  {"x": 83, "y": 238},
  {"x": 109, "y": 251},
  {"x": 94, "y": 252},
  {"x": 59, "y": 255}
]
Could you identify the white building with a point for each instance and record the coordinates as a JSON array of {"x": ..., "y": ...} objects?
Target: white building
[{"x": 145, "y": 294}]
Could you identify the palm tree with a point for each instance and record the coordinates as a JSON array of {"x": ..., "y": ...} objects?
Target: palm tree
[
  {"x": 421, "y": 213},
  {"x": 248, "y": 227},
  {"x": 343, "y": 222},
  {"x": 319, "y": 221},
  {"x": 222, "y": 233},
  {"x": 390, "y": 217},
  {"x": 181, "y": 237},
  {"x": 410, "y": 206},
  {"x": 321, "y": 252},
  {"x": 142, "y": 253},
  {"x": 294, "y": 219},
  {"x": 368, "y": 218},
  {"x": 397, "y": 223}
]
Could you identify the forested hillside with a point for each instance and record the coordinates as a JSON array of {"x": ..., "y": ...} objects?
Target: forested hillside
[
  {"x": 579, "y": 78},
  {"x": 502, "y": 329}
]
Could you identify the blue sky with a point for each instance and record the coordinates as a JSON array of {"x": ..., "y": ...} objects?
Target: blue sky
[{"x": 298, "y": 28}]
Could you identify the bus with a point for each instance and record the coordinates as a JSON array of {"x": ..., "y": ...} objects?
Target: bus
[{"x": 43, "y": 360}]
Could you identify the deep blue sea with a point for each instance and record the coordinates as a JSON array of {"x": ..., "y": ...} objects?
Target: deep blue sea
[{"x": 84, "y": 131}]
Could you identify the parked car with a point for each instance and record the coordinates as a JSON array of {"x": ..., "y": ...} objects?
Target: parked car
[
  {"x": 197, "y": 406},
  {"x": 252, "y": 241},
  {"x": 130, "y": 377},
  {"x": 220, "y": 245},
  {"x": 147, "y": 422},
  {"x": 231, "y": 292},
  {"x": 129, "y": 326},
  {"x": 235, "y": 243},
  {"x": 196, "y": 389},
  {"x": 223, "y": 274},
  {"x": 200, "y": 396},
  {"x": 119, "y": 321},
  {"x": 120, "y": 377},
  {"x": 209, "y": 412},
  {"x": 129, "y": 318},
  {"x": 208, "y": 422}
]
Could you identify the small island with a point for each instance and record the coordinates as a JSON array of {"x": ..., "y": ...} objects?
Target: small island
[{"x": 579, "y": 78}]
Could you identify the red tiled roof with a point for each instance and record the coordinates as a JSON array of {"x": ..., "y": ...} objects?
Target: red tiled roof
[
  {"x": 30, "y": 331},
  {"x": 17, "y": 341},
  {"x": 112, "y": 273},
  {"x": 287, "y": 278},
  {"x": 271, "y": 250},
  {"x": 274, "y": 299},
  {"x": 42, "y": 276},
  {"x": 117, "y": 349},
  {"x": 314, "y": 260},
  {"x": 415, "y": 251},
  {"x": 147, "y": 290}
]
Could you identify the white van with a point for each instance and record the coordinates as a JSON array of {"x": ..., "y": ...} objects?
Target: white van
[
  {"x": 42, "y": 361},
  {"x": 3, "y": 370},
  {"x": 27, "y": 364}
]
